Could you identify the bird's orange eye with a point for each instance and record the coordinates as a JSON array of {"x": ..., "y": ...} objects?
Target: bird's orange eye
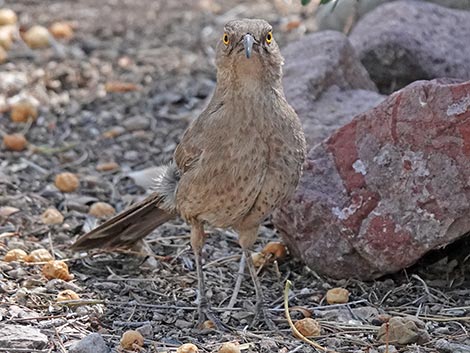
[
  {"x": 225, "y": 39},
  {"x": 269, "y": 37}
]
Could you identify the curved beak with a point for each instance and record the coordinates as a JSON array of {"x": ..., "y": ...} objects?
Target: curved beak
[{"x": 248, "y": 41}]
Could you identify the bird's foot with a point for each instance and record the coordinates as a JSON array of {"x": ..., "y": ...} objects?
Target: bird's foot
[
  {"x": 262, "y": 315},
  {"x": 205, "y": 314}
]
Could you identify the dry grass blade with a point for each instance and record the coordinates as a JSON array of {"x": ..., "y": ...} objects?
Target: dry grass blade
[{"x": 291, "y": 324}]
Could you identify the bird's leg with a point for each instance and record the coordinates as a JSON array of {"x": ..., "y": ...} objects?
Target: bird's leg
[
  {"x": 238, "y": 283},
  {"x": 198, "y": 238},
  {"x": 246, "y": 240}
]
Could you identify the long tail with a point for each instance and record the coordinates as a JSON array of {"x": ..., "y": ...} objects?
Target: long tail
[
  {"x": 127, "y": 227},
  {"x": 140, "y": 219}
]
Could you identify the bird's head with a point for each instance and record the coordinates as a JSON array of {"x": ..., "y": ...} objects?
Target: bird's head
[{"x": 247, "y": 49}]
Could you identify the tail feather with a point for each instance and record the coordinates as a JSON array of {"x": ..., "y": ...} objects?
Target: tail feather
[{"x": 127, "y": 227}]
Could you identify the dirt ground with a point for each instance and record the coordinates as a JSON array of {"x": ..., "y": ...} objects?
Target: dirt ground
[{"x": 165, "y": 48}]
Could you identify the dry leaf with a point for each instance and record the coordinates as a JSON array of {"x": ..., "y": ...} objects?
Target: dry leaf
[
  {"x": 106, "y": 167},
  {"x": 120, "y": 87},
  {"x": 15, "y": 255},
  {"x": 66, "y": 182},
  {"x": 114, "y": 132}
]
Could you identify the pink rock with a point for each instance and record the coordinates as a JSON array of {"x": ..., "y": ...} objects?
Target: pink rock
[{"x": 386, "y": 188}]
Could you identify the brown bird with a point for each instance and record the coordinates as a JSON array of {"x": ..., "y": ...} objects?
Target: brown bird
[{"x": 238, "y": 161}]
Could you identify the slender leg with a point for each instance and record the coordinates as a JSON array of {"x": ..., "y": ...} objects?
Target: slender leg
[
  {"x": 204, "y": 311},
  {"x": 246, "y": 240},
  {"x": 240, "y": 275}
]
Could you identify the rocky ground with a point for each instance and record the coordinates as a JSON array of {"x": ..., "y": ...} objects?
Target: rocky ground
[{"x": 88, "y": 119}]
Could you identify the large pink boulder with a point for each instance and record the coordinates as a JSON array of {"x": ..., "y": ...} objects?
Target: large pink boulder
[{"x": 386, "y": 188}]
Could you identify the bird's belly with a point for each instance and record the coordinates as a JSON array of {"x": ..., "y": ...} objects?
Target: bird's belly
[
  {"x": 279, "y": 184},
  {"x": 224, "y": 185}
]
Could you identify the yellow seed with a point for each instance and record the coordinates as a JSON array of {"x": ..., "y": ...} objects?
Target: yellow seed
[
  {"x": 56, "y": 269},
  {"x": 15, "y": 142},
  {"x": 66, "y": 182},
  {"x": 15, "y": 255},
  {"x": 39, "y": 255},
  {"x": 67, "y": 294},
  {"x": 337, "y": 296},
  {"x": 187, "y": 348},
  {"x": 101, "y": 210},
  {"x": 308, "y": 327},
  {"x": 130, "y": 339},
  {"x": 37, "y": 37},
  {"x": 7, "y": 17},
  {"x": 52, "y": 216}
]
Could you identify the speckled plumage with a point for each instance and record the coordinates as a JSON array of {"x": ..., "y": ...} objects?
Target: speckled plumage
[{"x": 241, "y": 158}]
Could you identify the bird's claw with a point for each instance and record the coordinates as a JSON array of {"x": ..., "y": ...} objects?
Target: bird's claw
[
  {"x": 263, "y": 316},
  {"x": 205, "y": 313}
]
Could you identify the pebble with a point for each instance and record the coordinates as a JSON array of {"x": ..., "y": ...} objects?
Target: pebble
[
  {"x": 136, "y": 123},
  {"x": 146, "y": 330},
  {"x": 13, "y": 337},
  {"x": 444, "y": 346},
  {"x": 403, "y": 330},
  {"x": 93, "y": 343}
]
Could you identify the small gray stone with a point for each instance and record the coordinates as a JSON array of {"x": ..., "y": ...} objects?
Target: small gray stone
[
  {"x": 445, "y": 346},
  {"x": 136, "y": 123},
  {"x": 93, "y": 343},
  {"x": 146, "y": 330},
  {"x": 21, "y": 337},
  {"x": 403, "y": 331},
  {"x": 183, "y": 324},
  {"x": 387, "y": 348}
]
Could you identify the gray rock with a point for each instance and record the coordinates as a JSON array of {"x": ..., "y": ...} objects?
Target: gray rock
[
  {"x": 21, "y": 337},
  {"x": 92, "y": 343},
  {"x": 146, "y": 331},
  {"x": 343, "y": 15},
  {"x": 403, "y": 331},
  {"x": 444, "y": 346},
  {"x": 386, "y": 188},
  {"x": 405, "y": 41},
  {"x": 326, "y": 84}
]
